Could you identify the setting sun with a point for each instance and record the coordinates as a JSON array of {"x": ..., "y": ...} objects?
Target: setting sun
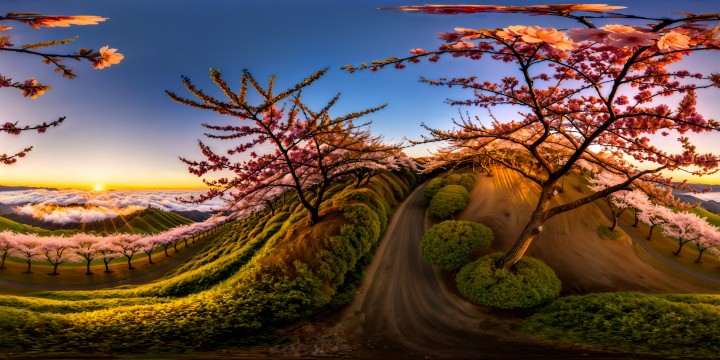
[{"x": 98, "y": 187}]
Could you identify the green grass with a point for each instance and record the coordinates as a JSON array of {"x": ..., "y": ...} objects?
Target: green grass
[
  {"x": 259, "y": 273},
  {"x": 7, "y": 224},
  {"x": 667, "y": 325}
]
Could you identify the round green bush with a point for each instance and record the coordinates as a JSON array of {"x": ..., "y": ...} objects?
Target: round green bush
[
  {"x": 527, "y": 284},
  {"x": 449, "y": 244},
  {"x": 432, "y": 188},
  {"x": 448, "y": 201}
]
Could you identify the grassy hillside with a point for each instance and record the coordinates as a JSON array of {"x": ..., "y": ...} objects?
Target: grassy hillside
[
  {"x": 7, "y": 224},
  {"x": 261, "y": 272},
  {"x": 147, "y": 221}
]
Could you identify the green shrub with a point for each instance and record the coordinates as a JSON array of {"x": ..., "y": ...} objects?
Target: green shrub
[
  {"x": 681, "y": 326},
  {"x": 529, "y": 283},
  {"x": 449, "y": 200},
  {"x": 449, "y": 244},
  {"x": 432, "y": 188}
]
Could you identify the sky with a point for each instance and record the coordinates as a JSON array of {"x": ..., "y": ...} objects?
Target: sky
[{"x": 123, "y": 132}]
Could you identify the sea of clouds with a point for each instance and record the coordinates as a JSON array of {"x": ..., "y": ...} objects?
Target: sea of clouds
[{"x": 52, "y": 205}]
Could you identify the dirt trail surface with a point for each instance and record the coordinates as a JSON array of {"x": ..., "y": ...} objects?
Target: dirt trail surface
[{"x": 404, "y": 310}]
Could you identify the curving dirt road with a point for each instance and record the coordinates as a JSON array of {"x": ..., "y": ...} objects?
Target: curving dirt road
[{"x": 404, "y": 310}]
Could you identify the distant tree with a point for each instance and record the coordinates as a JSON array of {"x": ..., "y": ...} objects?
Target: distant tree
[
  {"x": 58, "y": 250},
  {"x": 128, "y": 245},
  {"x": 28, "y": 248},
  {"x": 654, "y": 216},
  {"x": 107, "y": 252},
  {"x": 588, "y": 91},
  {"x": 6, "y": 243},
  {"x": 87, "y": 246},
  {"x": 282, "y": 143},
  {"x": 31, "y": 87},
  {"x": 150, "y": 244},
  {"x": 685, "y": 227},
  {"x": 709, "y": 239}
]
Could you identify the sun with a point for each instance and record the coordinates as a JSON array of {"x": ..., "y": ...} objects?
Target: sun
[{"x": 98, "y": 187}]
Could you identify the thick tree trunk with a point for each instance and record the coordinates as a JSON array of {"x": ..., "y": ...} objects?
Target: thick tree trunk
[
  {"x": 29, "y": 263},
  {"x": 531, "y": 230},
  {"x": 107, "y": 267},
  {"x": 55, "y": 269},
  {"x": 2, "y": 265},
  {"x": 87, "y": 267},
  {"x": 129, "y": 258}
]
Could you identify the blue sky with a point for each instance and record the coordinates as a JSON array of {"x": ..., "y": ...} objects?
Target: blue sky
[{"x": 121, "y": 128}]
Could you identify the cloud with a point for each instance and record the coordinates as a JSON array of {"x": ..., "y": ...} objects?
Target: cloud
[{"x": 69, "y": 205}]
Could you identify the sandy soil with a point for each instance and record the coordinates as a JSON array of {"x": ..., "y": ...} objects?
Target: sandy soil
[{"x": 569, "y": 243}]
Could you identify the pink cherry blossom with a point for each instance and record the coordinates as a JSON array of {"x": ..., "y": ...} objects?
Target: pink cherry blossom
[
  {"x": 673, "y": 41},
  {"x": 107, "y": 57}
]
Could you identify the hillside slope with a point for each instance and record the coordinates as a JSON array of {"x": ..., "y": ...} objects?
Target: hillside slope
[{"x": 570, "y": 243}]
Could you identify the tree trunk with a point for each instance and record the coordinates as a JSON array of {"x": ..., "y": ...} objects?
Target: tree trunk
[
  {"x": 531, "y": 230},
  {"x": 149, "y": 254},
  {"x": 129, "y": 258},
  {"x": 29, "y": 263},
  {"x": 698, "y": 260},
  {"x": 185, "y": 239},
  {"x": 615, "y": 221},
  {"x": 55, "y": 269},
  {"x": 652, "y": 227},
  {"x": 2, "y": 265},
  {"x": 359, "y": 180},
  {"x": 87, "y": 267},
  {"x": 677, "y": 252},
  {"x": 107, "y": 268},
  {"x": 637, "y": 220}
]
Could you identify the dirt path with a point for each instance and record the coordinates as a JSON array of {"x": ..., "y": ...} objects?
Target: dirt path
[{"x": 404, "y": 310}]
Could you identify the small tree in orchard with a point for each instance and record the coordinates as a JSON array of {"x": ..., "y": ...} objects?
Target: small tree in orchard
[
  {"x": 709, "y": 239},
  {"x": 6, "y": 243},
  {"x": 128, "y": 245},
  {"x": 615, "y": 89},
  {"x": 28, "y": 248},
  {"x": 280, "y": 143},
  {"x": 58, "y": 250},
  {"x": 87, "y": 247},
  {"x": 31, "y": 87},
  {"x": 685, "y": 227},
  {"x": 654, "y": 216}
]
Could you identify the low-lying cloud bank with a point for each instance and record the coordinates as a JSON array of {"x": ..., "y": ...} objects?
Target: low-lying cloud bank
[{"x": 69, "y": 205}]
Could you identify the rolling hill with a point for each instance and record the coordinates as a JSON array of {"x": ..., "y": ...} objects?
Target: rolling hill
[{"x": 147, "y": 221}]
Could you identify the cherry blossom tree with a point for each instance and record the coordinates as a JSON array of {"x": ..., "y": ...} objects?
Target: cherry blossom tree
[
  {"x": 150, "y": 243},
  {"x": 710, "y": 238},
  {"x": 603, "y": 94},
  {"x": 128, "y": 245},
  {"x": 282, "y": 143},
  {"x": 87, "y": 247},
  {"x": 31, "y": 88},
  {"x": 58, "y": 250},
  {"x": 685, "y": 227},
  {"x": 28, "y": 248},
  {"x": 654, "y": 216},
  {"x": 107, "y": 252},
  {"x": 6, "y": 243}
]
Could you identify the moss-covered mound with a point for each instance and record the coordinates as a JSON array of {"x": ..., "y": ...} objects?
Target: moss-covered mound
[
  {"x": 448, "y": 201},
  {"x": 682, "y": 326},
  {"x": 449, "y": 244},
  {"x": 527, "y": 284}
]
